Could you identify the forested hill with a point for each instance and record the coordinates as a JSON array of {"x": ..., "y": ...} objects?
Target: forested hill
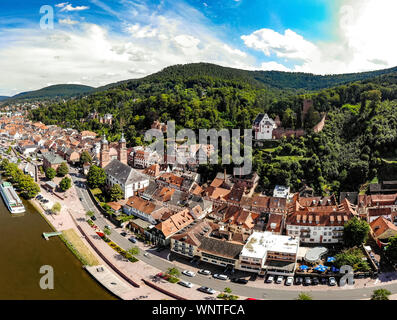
[
  {"x": 275, "y": 79},
  {"x": 359, "y": 137},
  {"x": 54, "y": 91}
]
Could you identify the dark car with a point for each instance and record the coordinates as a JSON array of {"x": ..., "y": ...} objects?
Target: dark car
[
  {"x": 307, "y": 281},
  {"x": 93, "y": 218},
  {"x": 315, "y": 281},
  {"x": 324, "y": 281},
  {"x": 239, "y": 280},
  {"x": 298, "y": 281},
  {"x": 123, "y": 234},
  {"x": 132, "y": 239}
]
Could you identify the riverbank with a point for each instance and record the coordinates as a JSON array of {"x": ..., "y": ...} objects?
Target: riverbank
[{"x": 78, "y": 248}]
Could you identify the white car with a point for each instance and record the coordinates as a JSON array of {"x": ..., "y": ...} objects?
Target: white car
[
  {"x": 205, "y": 272},
  {"x": 185, "y": 284},
  {"x": 206, "y": 290},
  {"x": 289, "y": 281},
  {"x": 332, "y": 281},
  {"x": 269, "y": 279},
  {"x": 220, "y": 276},
  {"x": 188, "y": 273},
  {"x": 279, "y": 279}
]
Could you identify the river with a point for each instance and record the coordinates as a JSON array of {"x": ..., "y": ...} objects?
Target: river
[{"x": 24, "y": 250}]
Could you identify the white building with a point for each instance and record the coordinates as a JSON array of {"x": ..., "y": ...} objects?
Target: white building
[
  {"x": 263, "y": 127},
  {"x": 281, "y": 192},
  {"x": 319, "y": 223},
  {"x": 128, "y": 178},
  {"x": 271, "y": 253}
]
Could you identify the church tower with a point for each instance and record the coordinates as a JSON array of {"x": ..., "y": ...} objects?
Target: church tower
[
  {"x": 122, "y": 150},
  {"x": 105, "y": 154}
]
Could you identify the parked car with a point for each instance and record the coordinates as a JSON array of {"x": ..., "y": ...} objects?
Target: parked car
[
  {"x": 123, "y": 233},
  {"x": 185, "y": 284},
  {"x": 307, "y": 281},
  {"x": 93, "y": 218},
  {"x": 206, "y": 290},
  {"x": 289, "y": 281},
  {"x": 132, "y": 239},
  {"x": 239, "y": 280},
  {"x": 188, "y": 273},
  {"x": 315, "y": 281},
  {"x": 147, "y": 255},
  {"x": 108, "y": 227},
  {"x": 298, "y": 281},
  {"x": 220, "y": 276},
  {"x": 270, "y": 279},
  {"x": 323, "y": 280},
  {"x": 279, "y": 279},
  {"x": 205, "y": 272},
  {"x": 332, "y": 281}
]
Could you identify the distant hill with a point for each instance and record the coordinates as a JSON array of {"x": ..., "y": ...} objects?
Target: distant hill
[
  {"x": 274, "y": 79},
  {"x": 55, "y": 91},
  {"x": 3, "y": 98}
]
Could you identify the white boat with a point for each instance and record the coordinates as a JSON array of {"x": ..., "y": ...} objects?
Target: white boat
[{"x": 11, "y": 198}]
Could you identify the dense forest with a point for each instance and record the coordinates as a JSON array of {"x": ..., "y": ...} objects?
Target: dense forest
[
  {"x": 359, "y": 137},
  {"x": 51, "y": 92}
]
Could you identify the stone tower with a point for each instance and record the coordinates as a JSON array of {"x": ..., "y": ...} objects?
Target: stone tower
[
  {"x": 122, "y": 150},
  {"x": 105, "y": 154}
]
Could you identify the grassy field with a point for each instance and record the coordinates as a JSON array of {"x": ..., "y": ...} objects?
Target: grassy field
[{"x": 73, "y": 238}]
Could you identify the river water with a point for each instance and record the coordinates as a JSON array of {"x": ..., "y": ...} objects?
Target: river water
[{"x": 23, "y": 251}]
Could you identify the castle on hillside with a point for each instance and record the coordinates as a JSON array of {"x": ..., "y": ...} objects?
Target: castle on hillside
[{"x": 266, "y": 128}]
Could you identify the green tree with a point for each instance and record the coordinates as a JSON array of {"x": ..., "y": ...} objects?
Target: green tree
[
  {"x": 134, "y": 251},
  {"x": 173, "y": 272},
  {"x": 304, "y": 296},
  {"x": 96, "y": 177},
  {"x": 116, "y": 193},
  {"x": 107, "y": 231},
  {"x": 65, "y": 184},
  {"x": 29, "y": 189},
  {"x": 50, "y": 173},
  {"x": 90, "y": 213},
  {"x": 62, "y": 170},
  {"x": 85, "y": 157},
  {"x": 56, "y": 208},
  {"x": 227, "y": 290},
  {"x": 289, "y": 118},
  {"x": 355, "y": 232},
  {"x": 391, "y": 249},
  {"x": 381, "y": 294}
]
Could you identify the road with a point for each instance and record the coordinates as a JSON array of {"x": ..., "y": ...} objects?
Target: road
[{"x": 342, "y": 293}]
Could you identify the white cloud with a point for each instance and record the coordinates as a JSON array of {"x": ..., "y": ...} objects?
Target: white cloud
[
  {"x": 138, "y": 31},
  {"x": 69, "y": 7},
  {"x": 186, "y": 41},
  {"x": 61, "y": 5},
  {"x": 289, "y": 45},
  {"x": 91, "y": 55},
  {"x": 365, "y": 41},
  {"x": 273, "y": 66}
]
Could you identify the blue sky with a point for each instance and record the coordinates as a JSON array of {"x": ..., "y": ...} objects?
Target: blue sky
[{"x": 96, "y": 42}]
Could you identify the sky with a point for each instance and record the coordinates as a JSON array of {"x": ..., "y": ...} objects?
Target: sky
[{"x": 97, "y": 42}]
